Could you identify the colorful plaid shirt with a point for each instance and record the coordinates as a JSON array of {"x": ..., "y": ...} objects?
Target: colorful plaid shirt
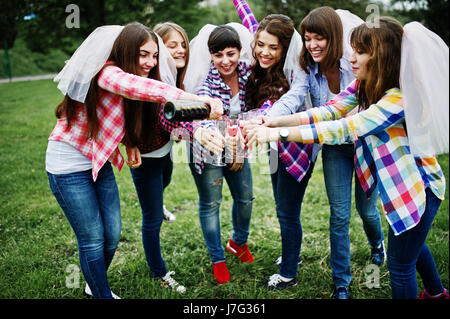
[
  {"x": 297, "y": 157},
  {"x": 382, "y": 153},
  {"x": 115, "y": 85}
]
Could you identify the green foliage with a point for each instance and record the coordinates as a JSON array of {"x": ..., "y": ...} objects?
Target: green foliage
[
  {"x": 48, "y": 30},
  {"x": 186, "y": 13},
  {"x": 225, "y": 12},
  {"x": 37, "y": 243},
  {"x": 24, "y": 62},
  {"x": 10, "y": 10},
  {"x": 297, "y": 10},
  {"x": 432, "y": 13}
]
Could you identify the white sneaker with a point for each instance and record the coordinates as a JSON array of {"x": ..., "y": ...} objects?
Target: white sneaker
[
  {"x": 87, "y": 291},
  {"x": 168, "y": 282},
  {"x": 277, "y": 282},
  {"x": 168, "y": 216}
]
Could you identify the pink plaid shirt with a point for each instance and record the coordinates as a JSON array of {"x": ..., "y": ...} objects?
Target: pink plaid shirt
[{"x": 115, "y": 85}]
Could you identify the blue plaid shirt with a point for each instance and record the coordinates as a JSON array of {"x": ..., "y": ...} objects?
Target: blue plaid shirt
[{"x": 297, "y": 157}]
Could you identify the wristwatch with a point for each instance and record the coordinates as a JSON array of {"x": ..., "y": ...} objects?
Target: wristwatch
[{"x": 284, "y": 133}]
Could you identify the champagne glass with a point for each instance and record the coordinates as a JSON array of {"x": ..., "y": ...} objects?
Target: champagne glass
[
  {"x": 218, "y": 159},
  {"x": 256, "y": 149},
  {"x": 233, "y": 130}
]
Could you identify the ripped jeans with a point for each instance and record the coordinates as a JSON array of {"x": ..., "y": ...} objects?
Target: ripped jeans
[{"x": 209, "y": 186}]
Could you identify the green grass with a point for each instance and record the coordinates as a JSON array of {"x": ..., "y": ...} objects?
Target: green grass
[{"x": 37, "y": 243}]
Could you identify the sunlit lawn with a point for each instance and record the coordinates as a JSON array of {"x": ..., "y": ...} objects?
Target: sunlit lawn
[{"x": 37, "y": 244}]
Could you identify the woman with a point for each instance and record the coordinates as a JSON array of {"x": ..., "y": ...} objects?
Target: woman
[
  {"x": 91, "y": 124},
  {"x": 226, "y": 80},
  {"x": 176, "y": 41},
  {"x": 149, "y": 137},
  {"x": 410, "y": 181},
  {"x": 326, "y": 70},
  {"x": 270, "y": 79}
]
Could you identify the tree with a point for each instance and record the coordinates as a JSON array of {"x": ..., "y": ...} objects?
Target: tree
[
  {"x": 11, "y": 13},
  {"x": 49, "y": 28},
  {"x": 431, "y": 13},
  {"x": 298, "y": 9},
  {"x": 187, "y": 13}
]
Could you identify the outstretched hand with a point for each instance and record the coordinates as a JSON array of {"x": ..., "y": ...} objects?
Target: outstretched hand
[
  {"x": 212, "y": 140},
  {"x": 261, "y": 134}
]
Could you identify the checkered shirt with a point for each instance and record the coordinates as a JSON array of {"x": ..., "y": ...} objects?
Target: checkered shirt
[
  {"x": 382, "y": 153},
  {"x": 115, "y": 85},
  {"x": 295, "y": 157}
]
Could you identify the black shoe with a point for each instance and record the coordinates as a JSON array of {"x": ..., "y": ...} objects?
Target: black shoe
[
  {"x": 275, "y": 283},
  {"x": 341, "y": 293},
  {"x": 378, "y": 254}
]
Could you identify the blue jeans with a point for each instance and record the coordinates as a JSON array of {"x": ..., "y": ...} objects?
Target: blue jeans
[
  {"x": 93, "y": 211},
  {"x": 338, "y": 171},
  {"x": 408, "y": 252},
  {"x": 288, "y": 195},
  {"x": 150, "y": 179},
  {"x": 209, "y": 186}
]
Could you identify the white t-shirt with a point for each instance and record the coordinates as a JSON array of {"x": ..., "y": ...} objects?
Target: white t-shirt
[
  {"x": 63, "y": 158},
  {"x": 161, "y": 152},
  {"x": 331, "y": 95},
  {"x": 235, "y": 105}
]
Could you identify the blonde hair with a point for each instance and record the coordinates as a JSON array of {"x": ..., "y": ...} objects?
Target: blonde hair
[{"x": 163, "y": 30}]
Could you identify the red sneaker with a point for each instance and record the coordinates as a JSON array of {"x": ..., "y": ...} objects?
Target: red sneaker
[
  {"x": 425, "y": 295},
  {"x": 221, "y": 273},
  {"x": 242, "y": 253}
]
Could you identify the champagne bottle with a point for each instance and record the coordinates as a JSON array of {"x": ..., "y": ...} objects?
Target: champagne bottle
[{"x": 185, "y": 111}]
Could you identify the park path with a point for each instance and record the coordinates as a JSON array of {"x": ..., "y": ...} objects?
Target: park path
[{"x": 28, "y": 78}]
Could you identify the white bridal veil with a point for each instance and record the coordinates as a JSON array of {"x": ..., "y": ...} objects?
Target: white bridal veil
[
  {"x": 349, "y": 22},
  {"x": 167, "y": 65},
  {"x": 200, "y": 58},
  {"x": 75, "y": 78},
  {"x": 424, "y": 81}
]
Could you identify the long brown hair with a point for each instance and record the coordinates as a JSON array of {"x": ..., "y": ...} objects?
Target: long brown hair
[
  {"x": 383, "y": 44},
  {"x": 163, "y": 30},
  {"x": 69, "y": 109},
  {"x": 270, "y": 84},
  {"x": 125, "y": 55},
  {"x": 326, "y": 22}
]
